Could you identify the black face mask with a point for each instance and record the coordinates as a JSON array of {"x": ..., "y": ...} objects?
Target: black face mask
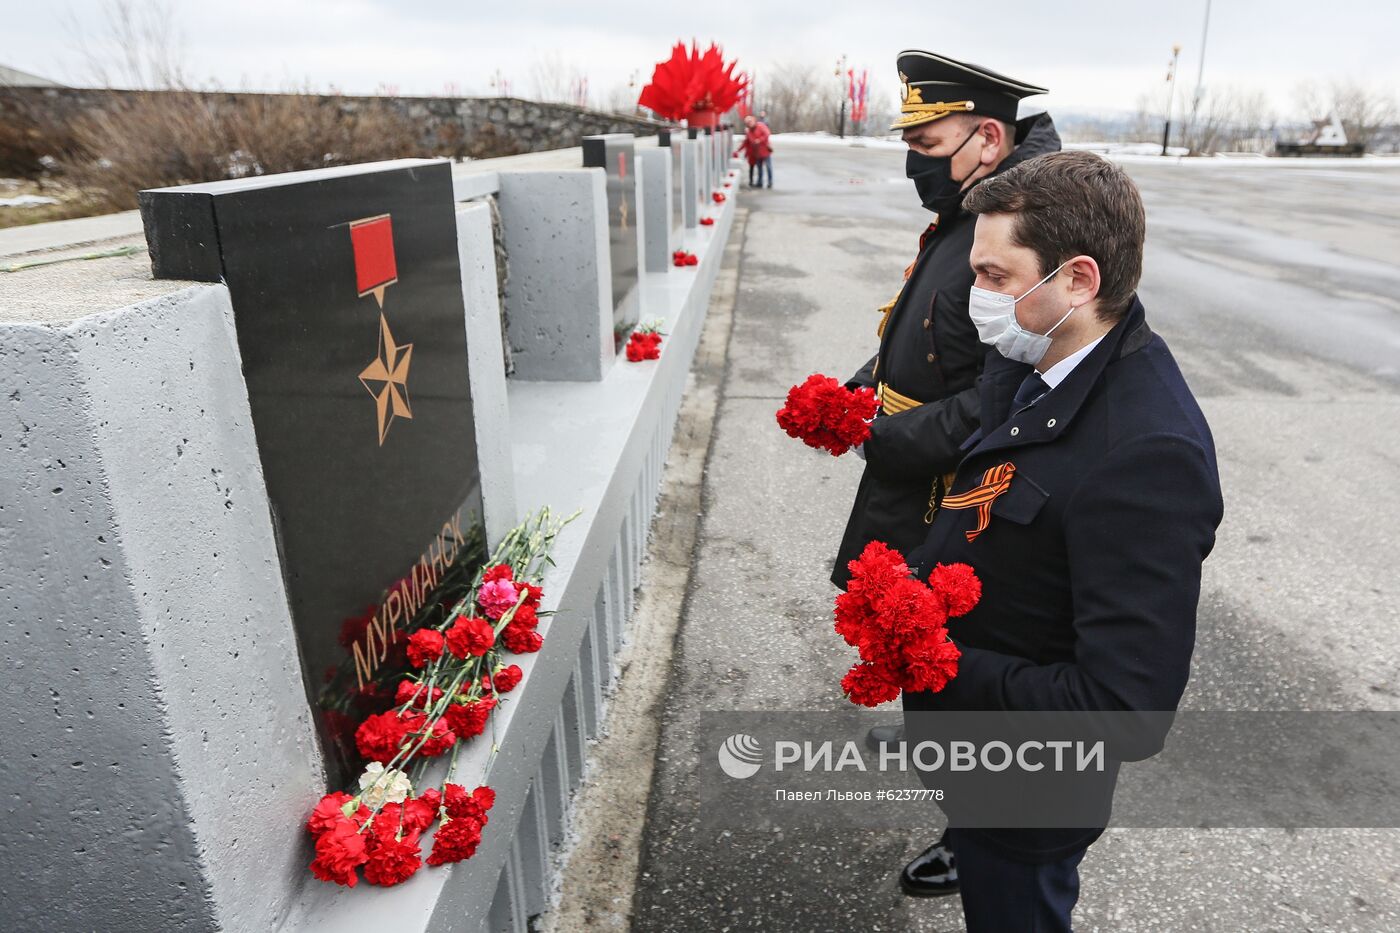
[{"x": 932, "y": 175}]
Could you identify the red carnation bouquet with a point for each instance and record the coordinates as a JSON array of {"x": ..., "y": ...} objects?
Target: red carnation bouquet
[
  {"x": 899, "y": 624},
  {"x": 645, "y": 342},
  {"x": 682, "y": 258},
  {"x": 456, "y": 677},
  {"x": 824, "y": 414}
]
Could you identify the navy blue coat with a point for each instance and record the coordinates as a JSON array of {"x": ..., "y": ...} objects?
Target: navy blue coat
[{"x": 1091, "y": 562}]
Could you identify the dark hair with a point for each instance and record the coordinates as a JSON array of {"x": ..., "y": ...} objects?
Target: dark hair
[{"x": 1072, "y": 203}]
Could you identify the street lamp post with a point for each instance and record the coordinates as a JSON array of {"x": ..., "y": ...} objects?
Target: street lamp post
[
  {"x": 1200, "y": 69},
  {"x": 840, "y": 71},
  {"x": 1171, "y": 97}
]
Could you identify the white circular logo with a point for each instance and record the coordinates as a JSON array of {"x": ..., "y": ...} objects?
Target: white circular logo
[{"x": 740, "y": 756}]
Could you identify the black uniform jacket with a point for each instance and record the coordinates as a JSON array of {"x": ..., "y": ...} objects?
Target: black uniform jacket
[
  {"x": 1091, "y": 562},
  {"x": 928, "y": 351}
]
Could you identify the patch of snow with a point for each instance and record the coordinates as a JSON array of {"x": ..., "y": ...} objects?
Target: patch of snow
[
  {"x": 1151, "y": 154},
  {"x": 26, "y": 200},
  {"x": 831, "y": 139}
]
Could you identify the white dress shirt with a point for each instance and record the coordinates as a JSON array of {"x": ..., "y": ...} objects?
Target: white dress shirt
[{"x": 1057, "y": 373}]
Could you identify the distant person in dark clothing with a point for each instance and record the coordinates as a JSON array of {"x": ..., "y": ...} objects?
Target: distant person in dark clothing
[{"x": 758, "y": 150}]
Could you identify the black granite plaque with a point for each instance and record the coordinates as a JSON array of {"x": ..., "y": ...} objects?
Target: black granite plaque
[
  {"x": 347, "y": 302},
  {"x": 615, "y": 153}
]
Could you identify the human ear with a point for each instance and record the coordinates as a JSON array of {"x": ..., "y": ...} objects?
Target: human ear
[
  {"x": 992, "y": 135},
  {"x": 1083, "y": 279}
]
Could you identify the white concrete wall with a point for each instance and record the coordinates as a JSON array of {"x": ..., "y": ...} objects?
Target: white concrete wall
[
  {"x": 655, "y": 197},
  {"x": 559, "y": 294},
  {"x": 159, "y": 749}
]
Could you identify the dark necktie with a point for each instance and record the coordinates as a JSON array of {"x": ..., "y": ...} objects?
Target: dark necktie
[{"x": 1032, "y": 388}]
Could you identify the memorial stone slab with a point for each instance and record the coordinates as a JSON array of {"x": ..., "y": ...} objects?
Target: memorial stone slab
[
  {"x": 616, "y": 154},
  {"x": 672, "y": 142},
  {"x": 691, "y": 182},
  {"x": 347, "y": 300},
  {"x": 655, "y": 195}
]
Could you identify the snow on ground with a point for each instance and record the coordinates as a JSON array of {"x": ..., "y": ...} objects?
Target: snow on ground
[
  {"x": 1123, "y": 152},
  {"x": 1146, "y": 153},
  {"x": 26, "y": 200},
  {"x": 831, "y": 139}
]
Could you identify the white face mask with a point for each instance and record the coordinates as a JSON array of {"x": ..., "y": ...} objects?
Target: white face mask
[{"x": 994, "y": 315}]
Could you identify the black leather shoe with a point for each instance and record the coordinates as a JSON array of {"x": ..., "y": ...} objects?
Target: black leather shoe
[
  {"x": 880, "y": 736},
  {"x": 932, "y": 873}
]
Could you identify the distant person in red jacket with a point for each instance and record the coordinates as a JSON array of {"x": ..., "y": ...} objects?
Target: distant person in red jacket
[{"x": 757, "y": 149}]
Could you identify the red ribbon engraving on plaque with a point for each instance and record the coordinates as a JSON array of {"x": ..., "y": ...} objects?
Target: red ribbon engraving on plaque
[{"x": 372, "y": 240}]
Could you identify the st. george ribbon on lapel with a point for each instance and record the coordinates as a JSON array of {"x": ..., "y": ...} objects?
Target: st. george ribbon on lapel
[{"x": 995, "y": 481}]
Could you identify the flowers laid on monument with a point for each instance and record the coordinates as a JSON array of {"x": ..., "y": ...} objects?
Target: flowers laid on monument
[
  {"x": 645, "y": 342},
  {"x": 824, "y": 414},
  {"x": 681, "y": 258},
  {"x": 692, "y": 86},
  {"x": 452, "y": 679},
  {"x": 707, "y": 221},
  {"x": 899, "y": 624},
  {"x": 719, "y": 197}
]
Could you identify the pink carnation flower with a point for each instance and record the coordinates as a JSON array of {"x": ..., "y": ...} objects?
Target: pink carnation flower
[{"x": 497, "y": 596}]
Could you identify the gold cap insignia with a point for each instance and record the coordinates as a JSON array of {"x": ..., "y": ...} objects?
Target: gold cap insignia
[{"x": 914, "y": 111}]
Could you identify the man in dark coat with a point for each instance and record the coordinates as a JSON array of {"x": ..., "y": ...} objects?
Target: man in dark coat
[
  {"x": 959, "y": 121},
  {"x": 1086, "y": 502}
]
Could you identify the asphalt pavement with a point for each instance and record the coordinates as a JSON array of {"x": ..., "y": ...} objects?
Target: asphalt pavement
[{"x": 1275, "y": 287}]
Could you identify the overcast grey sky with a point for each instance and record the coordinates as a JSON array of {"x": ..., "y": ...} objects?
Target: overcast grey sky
[{"x": 1090, "y": 53}]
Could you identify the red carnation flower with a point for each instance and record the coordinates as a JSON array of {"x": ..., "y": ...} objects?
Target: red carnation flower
[
  {"x": 521, "y": 639},
  {"x": 870, "y": 684},
  {"x": 328, "y": 813},
  {"x": 461, "y": 804},
  {"x": 425, "y": 696},
  {"x": 456, "y": 839},
  {"x": 470, "y": 636},
  {"x": 898, "y": 625},
  {"x": 931, "y": 664},
  {"x": 643, "y": 345},
  {"x": 508, "y": 678},
  {"x": 418, "y": 813},
  {"x": 339, "y": 851},
  {"x": 440, "y": 736},
  {"x": 424, "y": 646},
  {"x": 532, "y": 595},
  {"x": 392, "y": 860},
  {"x": 469, "y": 719},
  {"x": 959, "y": 586},
  {"x": 707, "y": 221},
  {"x": 460, "y": 833},
  {"x": 824, "y": 414},
  {"x": 498, "y": 572},
  {"x": 719, "y": 198},
  {"x": 380, "y": 736},
  {"x": 525, "y": 617}
]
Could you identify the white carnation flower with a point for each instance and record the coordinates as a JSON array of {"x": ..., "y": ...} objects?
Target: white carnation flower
[{"x": 378, "y": 786}]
